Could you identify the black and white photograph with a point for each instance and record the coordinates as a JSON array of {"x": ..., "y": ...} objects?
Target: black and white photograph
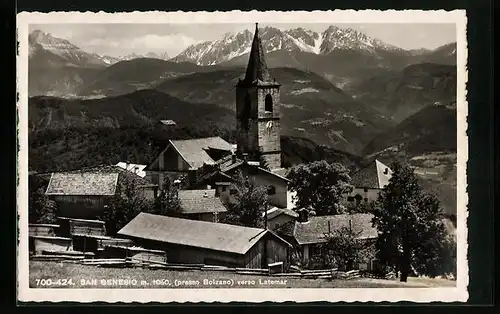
[{"x": 243, "y": 156}]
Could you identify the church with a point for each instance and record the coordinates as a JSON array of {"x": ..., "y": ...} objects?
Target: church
[{"x": 212, "y": 163}]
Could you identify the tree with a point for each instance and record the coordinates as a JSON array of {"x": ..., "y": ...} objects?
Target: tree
[
  {"x": 167, "y": 203},
  {"x": 45, "y": 208},
  {"x": 127, "y": 203},
  {"x": 41, "y": 208},
  {"x": 360, "y": 207},
  {"x": 247, "y": 205},
  {"x": 412, "y": 235},
  {"x": 320, "y": 185}
]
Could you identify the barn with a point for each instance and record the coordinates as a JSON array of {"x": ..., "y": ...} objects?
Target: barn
[{"x": 200, "y": 242}]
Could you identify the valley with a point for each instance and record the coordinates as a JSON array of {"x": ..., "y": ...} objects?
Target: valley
[{"x": 345, "y": 97}]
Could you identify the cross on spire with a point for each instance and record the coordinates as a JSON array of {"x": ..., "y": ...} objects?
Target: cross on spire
[{"x": 257, "y": 66}]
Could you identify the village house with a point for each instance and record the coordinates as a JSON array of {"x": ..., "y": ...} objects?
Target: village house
[
  {"x": 181, "y": 157},
  {"x": 277, "y": 217},
  {"x": 200, "y": 242},
  {"x": 85, "y": 193},
  {"x": 307, "y": 232},
  {"x": 368, "y": 182},
  {"x": 201, "y": 205}
]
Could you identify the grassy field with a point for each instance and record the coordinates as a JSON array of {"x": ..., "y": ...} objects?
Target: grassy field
[{"x": 57, "y": 275}]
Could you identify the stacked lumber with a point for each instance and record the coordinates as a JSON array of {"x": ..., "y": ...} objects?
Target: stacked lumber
[
  {"x": 47, "y": 230},
  {"x": 44, "y": 243},
  {"x": 251, "y": 271},
  {"x": 56, "y": 257},
  {"x": 116, "y": 242},
  {"x": 145, "y": 255},
  {"x": 83, "y": 227}
]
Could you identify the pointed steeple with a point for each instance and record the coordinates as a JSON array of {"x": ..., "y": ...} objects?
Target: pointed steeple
[{"x": 257, "y": 67}]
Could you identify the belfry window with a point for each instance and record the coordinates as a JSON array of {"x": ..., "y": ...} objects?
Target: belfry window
[
  {"x": 246, "y": 112},
  {"x": 269, "y": 103}
]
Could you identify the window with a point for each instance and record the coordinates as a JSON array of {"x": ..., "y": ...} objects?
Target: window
[
  {"x": 233, "y": 191},
  {"x": 246, "y": 112},
  {"x": 276, "y": 226},
  {"x": 366, "y": 199},
  {"x": 365, "y": 189},
  {"x": 350, "y": 199},
  {"x": 269, "y": 103}
]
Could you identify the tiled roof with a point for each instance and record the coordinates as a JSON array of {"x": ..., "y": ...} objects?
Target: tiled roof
[
  {"x": 227, "y": 163},
  {"x": 374, "y": 176},
  {"x": 314, "y": 230},
  {"x": 194, "y": 233},
  {"x": 85, "y": 183},
  {"x": 200, "y": 201},
  {"x": 194, "y": 150},
  {"x": 115, "y": 169}
]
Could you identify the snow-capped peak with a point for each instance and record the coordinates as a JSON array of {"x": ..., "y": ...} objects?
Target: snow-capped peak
[{"x": 233, "y": 45}]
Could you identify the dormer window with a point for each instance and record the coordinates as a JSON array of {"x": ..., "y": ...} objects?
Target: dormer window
[{"x": 386, "y": 171}]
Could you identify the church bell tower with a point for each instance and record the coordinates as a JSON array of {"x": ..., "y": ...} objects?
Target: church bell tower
[{"x": 257, "y": 109}]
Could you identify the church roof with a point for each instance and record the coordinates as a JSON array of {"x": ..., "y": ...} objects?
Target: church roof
[
  {"x": 375, "y": 175},
  {"x": 257, "y": 72}
]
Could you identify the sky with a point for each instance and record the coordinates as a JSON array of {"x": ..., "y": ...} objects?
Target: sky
[{"x": 121, "y": 39}]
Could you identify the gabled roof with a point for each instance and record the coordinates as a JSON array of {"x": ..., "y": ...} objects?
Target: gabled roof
[
  {"x": 227, "y": 165},
  {"x": 194, "y": 151},
  {"x": 200, "y": 201},
  {"x": 315, "y": 229},
  {"x": 375, "y": 175},
  {"x": 85, "y": 183},
  {"x": 139, "y": 181},
  {"x": 194, "y": 233},
  {"x": 275, "y": 212},
  {"x": 257, "y": 72}
]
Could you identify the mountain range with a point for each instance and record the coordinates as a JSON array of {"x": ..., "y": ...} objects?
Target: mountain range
[{"x": 344, "y": 96}]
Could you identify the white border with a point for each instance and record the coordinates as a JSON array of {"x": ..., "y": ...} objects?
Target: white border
[{"x": 458, "y": 293}]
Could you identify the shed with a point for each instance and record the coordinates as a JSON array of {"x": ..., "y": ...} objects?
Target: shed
[
  {"x": 81, "y": 195},
  {"x": 201, "y": 242}
]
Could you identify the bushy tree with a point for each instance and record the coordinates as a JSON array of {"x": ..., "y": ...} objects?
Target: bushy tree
[
  {"x": 412, "y": 235},
  {"x": 167, "y": 203},
  {"x": 320, "y": 185},
  {"x": 127, "y": 203},
  {"x": 247, "y": 205},
  {"x": 344, "y": 249},
  {"x": 45, "y": 208},
  {"x": 41, "y": 208},
  {"x": 360, "y": 207}
]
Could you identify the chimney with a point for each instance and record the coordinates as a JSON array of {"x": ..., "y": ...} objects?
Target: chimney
[
  {"x": 127, "y": 163},
  {"x": 350, "y": 225},
  {"x": 233, "y": 158},
  {"x": 209, "y": 187},
  {"x": 245, "y": 157}
]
